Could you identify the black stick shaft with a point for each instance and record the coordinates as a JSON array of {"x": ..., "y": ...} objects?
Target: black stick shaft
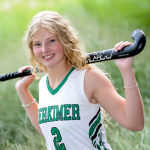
[
  {"x": 14, "y": 75},
  {"x": 139, "y": 43}
]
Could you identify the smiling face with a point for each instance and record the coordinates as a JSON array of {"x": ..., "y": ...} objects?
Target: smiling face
[{"x": 47, "y": 48}]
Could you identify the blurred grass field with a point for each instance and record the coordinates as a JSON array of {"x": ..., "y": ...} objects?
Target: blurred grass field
[{"x": 100, "y": 24}]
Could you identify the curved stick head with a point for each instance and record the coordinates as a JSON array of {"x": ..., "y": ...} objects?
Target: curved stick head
[
  {"x": 139, "y": 43},
  {"x": 139, "y": 40}
]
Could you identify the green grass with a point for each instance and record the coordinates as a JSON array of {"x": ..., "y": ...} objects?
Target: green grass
[{"x": 100, "y": 24}]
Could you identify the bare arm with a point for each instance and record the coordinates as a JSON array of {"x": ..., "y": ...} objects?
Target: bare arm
[
  {"x": 127, "y": 112},
  {"x": 134, "y": 106},
  {"x": 26, "y": 98}
]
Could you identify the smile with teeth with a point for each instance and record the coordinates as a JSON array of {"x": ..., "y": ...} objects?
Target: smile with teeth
[{"x": 49, "y": 56}]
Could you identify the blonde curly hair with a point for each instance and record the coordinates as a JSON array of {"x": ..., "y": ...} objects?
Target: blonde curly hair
[{"x": 65, "y": 33}]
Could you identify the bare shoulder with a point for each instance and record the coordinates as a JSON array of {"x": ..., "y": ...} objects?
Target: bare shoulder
[
  {"x": 95, "y": 81},
  {"x": 95, "y": 76}
]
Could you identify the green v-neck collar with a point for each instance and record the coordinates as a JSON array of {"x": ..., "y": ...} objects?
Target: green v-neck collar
[{"x": 53, "y": 92}]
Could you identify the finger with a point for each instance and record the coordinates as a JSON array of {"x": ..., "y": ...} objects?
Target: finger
[
  {"x": 20, "y": 70},
  {"x": 124, "y": 44},
  {"x": 121, "y": 45},
  {"x": 117, "y": 46}
]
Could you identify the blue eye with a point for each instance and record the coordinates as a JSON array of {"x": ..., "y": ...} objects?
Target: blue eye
[
  {"x": 37, "y": 44},
  {"x": 51, "y": 41}
]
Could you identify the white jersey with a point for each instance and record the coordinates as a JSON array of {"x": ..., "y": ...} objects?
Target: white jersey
[{"x": 67, "y": 119}]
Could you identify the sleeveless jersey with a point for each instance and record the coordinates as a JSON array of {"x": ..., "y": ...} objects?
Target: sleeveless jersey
[{"x": 67, "y": 119}]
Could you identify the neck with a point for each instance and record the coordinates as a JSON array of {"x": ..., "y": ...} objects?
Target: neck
[{"x": 57, "y": 74}]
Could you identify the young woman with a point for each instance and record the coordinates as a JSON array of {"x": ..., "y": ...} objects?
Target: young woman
[{"x": 73, "y": 93}]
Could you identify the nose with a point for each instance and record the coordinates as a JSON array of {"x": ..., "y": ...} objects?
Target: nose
[{"x": 44, "y": 48}]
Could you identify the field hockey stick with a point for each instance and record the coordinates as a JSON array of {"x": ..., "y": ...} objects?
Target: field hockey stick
[{"x": 139, "y": 43}]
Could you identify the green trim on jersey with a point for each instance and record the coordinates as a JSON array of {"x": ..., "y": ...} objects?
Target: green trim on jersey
[
  {"x": 53, "y": 92},
  {"x": 95, "y": 133}
]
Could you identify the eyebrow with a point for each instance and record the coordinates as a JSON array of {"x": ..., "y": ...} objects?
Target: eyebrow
[{"x": 46, "y": 39}]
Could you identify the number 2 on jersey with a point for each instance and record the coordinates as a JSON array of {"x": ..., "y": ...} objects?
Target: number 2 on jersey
[{"x": 57, "y": 139}]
